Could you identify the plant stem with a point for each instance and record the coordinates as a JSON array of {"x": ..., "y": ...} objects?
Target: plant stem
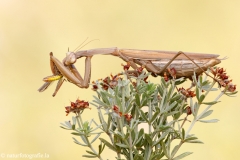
[
  {"x": 90, "y": 146},
  {"x": 111, "y": 138},
  {"x": 80, "y": 123},
  {"x": 179, "y": 145},
  {"x": 197, "y": 117},
  {"x": 149, "y": 116},
  {"x": 80, "y": 118},
  {"x": 213, "y": 83},
  {"x": 130, "y": 145}
]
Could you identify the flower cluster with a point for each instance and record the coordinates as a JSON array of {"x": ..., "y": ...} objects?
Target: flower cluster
[
  {"x": 128, "y": 117},
  {"x": 186, "y": 92},
  {"x": 222, "y": 78},
  {"x": 107, "y": 82},
  {"x": 137, "y": 70},
  {"x": 172, "y": 72},
  {"x": 77, "y": 106}
]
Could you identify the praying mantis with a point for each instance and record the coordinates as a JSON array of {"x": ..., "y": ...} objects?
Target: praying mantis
[{"x": 155, "y": 61}]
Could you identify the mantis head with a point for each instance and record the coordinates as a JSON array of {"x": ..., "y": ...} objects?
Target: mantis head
[{"x": 70, "y": 58}]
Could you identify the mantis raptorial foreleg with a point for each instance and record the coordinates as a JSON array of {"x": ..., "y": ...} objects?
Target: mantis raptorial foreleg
[{"x": 69, "y": 72}]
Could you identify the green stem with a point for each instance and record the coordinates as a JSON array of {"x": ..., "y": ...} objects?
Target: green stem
[
  {"x": 179, "y": 146},
  {"x": 213, "y": 83},
  {"x": 197, "y": 117},
  {"x": 149, "y": 116},
  {"x": 209, "y": 106},
  {"x": 111, "y": 138},
  {"x": 130, "y": 145},
  {"x": 80, "y": 123},
  {"x": 80, "y": 118},
  {"x": 90, "y": 146}
]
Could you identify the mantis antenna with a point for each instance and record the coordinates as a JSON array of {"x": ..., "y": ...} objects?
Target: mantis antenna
[{"x": 82, "y": 44}]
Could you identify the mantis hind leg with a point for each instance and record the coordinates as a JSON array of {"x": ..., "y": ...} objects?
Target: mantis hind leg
[{"x": 178, "y": 54}]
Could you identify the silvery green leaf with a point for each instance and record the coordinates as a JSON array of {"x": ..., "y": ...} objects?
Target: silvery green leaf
[
  {"x": 209, "y": 112},
  {"x": 159, "y": 157},
  {"x": 95, "y": 138},
  {"x": 143, "y": 115},
  {"x": 111, "y": 91},
  {"x": 190, "y": 135},
  {"x": 138, "y": 157},
  {"x": 163, "y": 82},
  {"x": 84, "y": 139},
  {"x": 101, "y": 148},
  {"x": 149, "y": 139},
  {"x": 88, "y": 156},
  {"x": 99, "y": 102},
  {"x": 170, "y": 107},
  {"x": 102, "y": 121},
  {"x": 90, "y": 152},
  {"x": 105, "y": 98},
  {"x": 182, "y": 155},
  {"x": 147, "y": 152},
  {"x": 74, "y": 120},
  {"x": 194, "y": 141},
  {"x": 190, "y": 139},
  {"x": 172, "y": 113},
  {"x": 175, "y": 97},
  {"x": 122, "y": 145},
  {"x": 183, "y": 134},
  {"x": 175, "y": 149},
  {"x": 77, "y": 133},
  {"x": 165, "y": 150},
  {"x": 140, "y": 136},
  {"x": 198, "y": 94},
  {"x": 96, "y": 128},
  {"x": 205, "y": 83},
  {"x": 137, "y": 100},
  {"x": 202, "y": 97},
  {"x": 164, "y": 134},
  {"x": 209, "y": 121},
  {"x": 155, "y": 115},
  {"x": 97, "y": 106},
  {"x": 230, "y": 94},
  {"x": 195, "y": 108},
  {"x": 79, "y": 143},
  {"x": 120, "y": 134},
  {"x": 195, "y": 79},
  {"x": 134, "y": 123},
  {"x": 66, "y": 125},
  {"x": 206, "y": 88},
  {"x": 109, "y": 145},
  {"x": 210, "y": 103}
]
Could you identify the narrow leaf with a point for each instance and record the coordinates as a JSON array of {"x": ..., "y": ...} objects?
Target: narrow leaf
[
  {"x": 209, "y": 121},
  {"x": 90, "y": 152},
  {"x": 209, "y": 112},
  {"x": 122, "y": 145},
  {"x": 202, "y": 97},
  {"x": 109, "y": 145},
  {"x": 95, "y": 137},
  {"x": 210, "y": 103},
  {"x": 88, "y": 156},
  {"x": 182, "y": 155}
]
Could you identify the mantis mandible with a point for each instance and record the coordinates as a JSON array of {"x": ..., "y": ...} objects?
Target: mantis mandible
[{"x": 155, "y": 61}]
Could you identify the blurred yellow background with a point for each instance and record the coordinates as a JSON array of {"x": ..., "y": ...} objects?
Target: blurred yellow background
[{"x": 31, "y": 29}]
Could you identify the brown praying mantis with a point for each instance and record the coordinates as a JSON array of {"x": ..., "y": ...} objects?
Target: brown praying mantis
[{"x": 155, "y": 61}]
